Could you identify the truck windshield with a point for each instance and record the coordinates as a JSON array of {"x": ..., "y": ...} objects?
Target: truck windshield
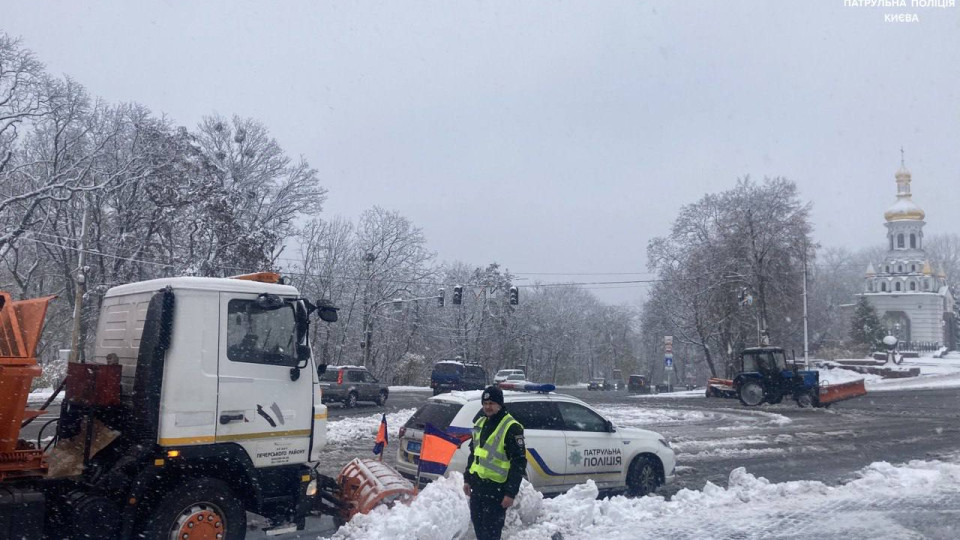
[{"x": 261, "y": 336}]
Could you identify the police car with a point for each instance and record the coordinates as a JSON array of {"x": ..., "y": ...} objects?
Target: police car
[{"x": 567, "y": 442}]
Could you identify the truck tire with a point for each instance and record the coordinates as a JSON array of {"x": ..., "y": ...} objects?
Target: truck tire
[
  {"x": 751, "y": 393},
  {"x": 643, "y": 477},
  {"x": 197, "y": 507},
  {"x": 382, "y": 398}
]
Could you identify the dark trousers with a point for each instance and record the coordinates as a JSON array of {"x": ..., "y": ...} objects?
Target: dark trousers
[{"x": 487, "y": 516}]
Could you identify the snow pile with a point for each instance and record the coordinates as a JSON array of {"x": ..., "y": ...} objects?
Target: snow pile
[
  {"x": 352, "y": 429},
  {"x": 751, "y": 507},
  {"x": 409, "y": 389},
  {"x": 41, "y": 395},
  {"x": 440, "y": 512},
  {"x": 878, "y": 504}
]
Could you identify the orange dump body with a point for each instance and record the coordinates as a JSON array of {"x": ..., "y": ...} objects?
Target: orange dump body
[
  {"x": 831, "y": 393},
  {"x": 21, "y": 323},
  {"x": 366, "y": 483}
]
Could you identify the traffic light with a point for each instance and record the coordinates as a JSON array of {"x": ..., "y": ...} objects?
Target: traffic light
[
  {"x": 457, "y": 295},
  {"x": 440, "y": 293},
  {"x": 514, "y": 296}
]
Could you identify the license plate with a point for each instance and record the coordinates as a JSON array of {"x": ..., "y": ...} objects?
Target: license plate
[{"x": 413, "y": 446}]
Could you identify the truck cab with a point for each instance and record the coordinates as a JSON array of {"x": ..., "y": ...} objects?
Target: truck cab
[{"x": 202, "y": 402}]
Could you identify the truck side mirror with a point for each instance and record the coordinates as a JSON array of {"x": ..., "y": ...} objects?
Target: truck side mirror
[
  {"x": 303, "y": 354},
  {"x": 326, "y": 310}
]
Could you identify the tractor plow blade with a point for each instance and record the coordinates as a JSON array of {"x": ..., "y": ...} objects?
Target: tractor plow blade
[{"x": 831, "y": 393}]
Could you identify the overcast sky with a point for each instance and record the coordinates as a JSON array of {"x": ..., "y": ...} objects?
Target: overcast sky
[{"x": 548, "y": 136}]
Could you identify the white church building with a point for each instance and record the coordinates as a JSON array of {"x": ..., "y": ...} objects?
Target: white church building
[{"x": 909, "y": 294}]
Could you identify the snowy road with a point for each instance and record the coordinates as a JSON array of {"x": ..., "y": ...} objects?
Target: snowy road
[{"x": 882, "y": 466}]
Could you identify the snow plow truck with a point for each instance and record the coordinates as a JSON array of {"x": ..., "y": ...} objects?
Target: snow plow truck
[{"x": 201, "y": 402}]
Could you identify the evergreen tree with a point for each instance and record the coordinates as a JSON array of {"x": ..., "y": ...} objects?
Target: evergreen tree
[{"x": 865, "y": 328}]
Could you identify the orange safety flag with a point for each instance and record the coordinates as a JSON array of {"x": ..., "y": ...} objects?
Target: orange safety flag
[
  {"x": 437, "y": 450},
  {"x": 381, "y": 436}
]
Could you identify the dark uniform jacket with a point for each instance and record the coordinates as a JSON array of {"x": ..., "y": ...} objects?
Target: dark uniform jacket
[{"x": 516, "y": 453}]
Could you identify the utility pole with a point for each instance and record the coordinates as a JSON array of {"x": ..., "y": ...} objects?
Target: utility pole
[
  {"x": 806, "y": 337},
  {"x": 81, "y": 286},
  {"x": 367, "y": 319}
]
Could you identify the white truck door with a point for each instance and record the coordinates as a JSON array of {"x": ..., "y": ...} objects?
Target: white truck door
[{"x": 259, "y": 405}]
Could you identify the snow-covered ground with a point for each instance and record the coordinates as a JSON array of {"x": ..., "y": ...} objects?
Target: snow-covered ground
[
  {"x": 884, "y": 502},
  {"x": 365, "y": 427}
]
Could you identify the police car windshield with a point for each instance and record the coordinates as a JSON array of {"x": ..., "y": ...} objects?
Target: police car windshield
[{"x": 438, "y": 414}]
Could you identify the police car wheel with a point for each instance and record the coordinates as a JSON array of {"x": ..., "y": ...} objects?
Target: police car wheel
[{"x": 642, "y": 478}]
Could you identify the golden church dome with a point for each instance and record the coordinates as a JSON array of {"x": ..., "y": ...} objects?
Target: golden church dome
[{"x": 904, "y": 208}]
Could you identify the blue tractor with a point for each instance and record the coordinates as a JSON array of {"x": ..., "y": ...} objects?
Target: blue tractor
[{"x": 763, "y": 375}]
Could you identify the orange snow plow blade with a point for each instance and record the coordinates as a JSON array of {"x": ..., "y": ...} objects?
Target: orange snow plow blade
[
  {"x": 831, "y": 393},
  {"x": 366, "y": 483},
  {"x": 20, "y": 325}
]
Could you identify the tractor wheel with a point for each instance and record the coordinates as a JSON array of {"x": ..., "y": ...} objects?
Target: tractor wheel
[
  {"x": 751, "y": 393},
  {"x": 643, "y": 477},
  {"x": 197, "y": 508},
  {"x": 805, "y": 399},
  {"x": 381, "y": 398}
]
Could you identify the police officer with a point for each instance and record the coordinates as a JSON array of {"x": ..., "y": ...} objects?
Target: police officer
[{"x": 497, "y": 463}]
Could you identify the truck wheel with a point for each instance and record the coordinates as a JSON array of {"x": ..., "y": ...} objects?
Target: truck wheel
[
  {"x": 751, "y": 393},
  {"x": 198, "y": 508},
  {"x": 351, "y": 401},
  {"x": 382, "y": 398},
  {"x": 642, "y": 478}
]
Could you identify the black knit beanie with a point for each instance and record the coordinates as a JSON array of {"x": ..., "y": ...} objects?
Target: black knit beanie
[{"x": 494, "y": 394}]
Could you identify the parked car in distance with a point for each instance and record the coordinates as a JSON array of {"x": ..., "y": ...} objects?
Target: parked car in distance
[
  {"x": 618, "y": 383},
  {"x": 597, "y": 384},
  {"x": 567, "y": 442},
  {"x": 450, "y": 375},
  {"x": 637, "y": 384},
  {"x": 513, "y": 378},
  {"x": 504, "y": 373},
  {"x": 351, "y": 384}
]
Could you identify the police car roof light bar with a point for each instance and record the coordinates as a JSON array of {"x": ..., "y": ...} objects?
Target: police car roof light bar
[{"x": 528, "y": 387}]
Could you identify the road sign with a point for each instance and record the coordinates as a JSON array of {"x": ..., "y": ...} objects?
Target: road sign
[
  {"x": 668, "y": 344},
  {"x": 668, "y": 361}
]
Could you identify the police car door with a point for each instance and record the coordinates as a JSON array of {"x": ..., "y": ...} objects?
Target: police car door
[
  {"x": 545, "y": 442},
  {"x": 592, "y": 450},
  {"x": 259, "y": 405}
]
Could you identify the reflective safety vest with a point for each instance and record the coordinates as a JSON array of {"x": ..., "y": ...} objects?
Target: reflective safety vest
[{"x": 490, "y": 461}]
